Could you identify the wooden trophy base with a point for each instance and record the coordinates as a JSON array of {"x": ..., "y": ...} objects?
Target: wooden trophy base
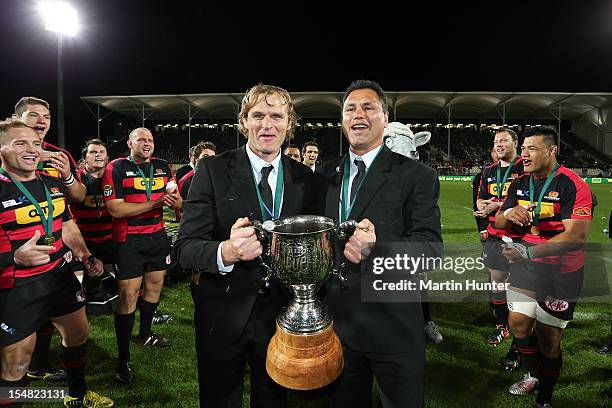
[{"x": 304, "y": 361}]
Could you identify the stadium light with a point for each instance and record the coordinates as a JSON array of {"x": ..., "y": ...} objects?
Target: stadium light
[{"x": 60, "y": 18}]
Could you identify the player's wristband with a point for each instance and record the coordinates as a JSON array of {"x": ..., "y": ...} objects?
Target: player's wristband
[{"x": 69, "y": 181}]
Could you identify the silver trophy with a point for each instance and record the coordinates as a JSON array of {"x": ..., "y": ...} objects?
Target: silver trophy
[
  {"x": 305, "y": 352},
  {"x": 298, "y": 252}
]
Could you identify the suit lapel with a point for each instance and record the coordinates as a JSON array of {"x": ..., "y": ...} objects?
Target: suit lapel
[
  {"x": 374, "y": 180},
  {"x": 241, "y": 177},
  {"x": 290, "y": 192}
]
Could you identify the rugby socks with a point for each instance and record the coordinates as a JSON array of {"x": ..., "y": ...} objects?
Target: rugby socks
[
  {"x": 548, "y": 369},
  {"x": 147, "y": 309},
  {"x": 527, "y": 348},
  {"x": 12, "y": 384},
  {"x": 124, "y": 323},
  {"x": 73, "y": 360},
  {"x": 500, "y": 307},
  {"x": 40, "y": 357}
]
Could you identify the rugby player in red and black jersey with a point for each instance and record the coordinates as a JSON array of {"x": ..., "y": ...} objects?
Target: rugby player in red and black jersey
[
  {"x": 553, "y": 208},
  {"x": 58, "y": 163},
  {"x": 135, "y": 189},
  {"x": 201, "y": 151},
  {"x": 37, "y": 242},
  {"x": 494, "y": 185},
  {"x": 91, "y": 215}
]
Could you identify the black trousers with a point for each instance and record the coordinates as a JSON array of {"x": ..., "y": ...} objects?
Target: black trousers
[
  {"x": 222, "y": 380},
  {"x": 399, "y": 376}
]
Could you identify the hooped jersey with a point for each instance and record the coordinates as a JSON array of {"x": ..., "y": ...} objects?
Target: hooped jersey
[
  {"x": 567, "y": 197},
  {"x": 91, "y": 215},
  {"x": 19, "y": 220},
  {"x": 488, "y": 191},
  {"x": 122, "y": 180}
]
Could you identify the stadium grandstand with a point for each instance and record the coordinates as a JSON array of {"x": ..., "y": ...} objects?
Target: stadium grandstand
[{"x": 460, "y": 123}]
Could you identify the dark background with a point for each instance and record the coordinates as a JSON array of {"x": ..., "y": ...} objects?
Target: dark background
[{"x": 169, "y": 47}]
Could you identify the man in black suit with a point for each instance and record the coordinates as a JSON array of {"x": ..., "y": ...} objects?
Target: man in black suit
[
  {"x": 235, "y": 315},
  {"x": 396, "y": 200}
]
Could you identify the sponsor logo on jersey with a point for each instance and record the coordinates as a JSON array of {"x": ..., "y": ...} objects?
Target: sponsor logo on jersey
[
  {"x": 11, "y": 203},
  {"x": 582, "y": 211},
  {"x": 51, "y": 171},
  {"x": 107, "y": 190},
  {"x": 493, "y": 189},
  {"x": 93, "y": 201},
  {"x": 547, "y": 210},
  {"x": 130, "y": 173},
  {"x": 520, "y": 192},
  {"x": 139, "y": 184},
  {"x": 29, "y": 214}
]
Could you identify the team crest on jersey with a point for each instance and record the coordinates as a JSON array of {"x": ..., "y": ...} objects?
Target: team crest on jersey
[
  {"x": 159, "y": 171},
  {"x": 556, "y": 305},
  {"x": 514, "y": 175},
  {"x": 583, "y": 211},
  {"x": 55, "y": 191},
  {"x": 553, "y": 194},
  {"x": 107, "y": 190}
]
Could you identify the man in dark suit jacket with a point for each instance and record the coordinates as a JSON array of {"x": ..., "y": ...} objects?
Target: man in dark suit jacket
[
  {"x": 396, "y": 201},
  {"x": 235, "y": 315}
]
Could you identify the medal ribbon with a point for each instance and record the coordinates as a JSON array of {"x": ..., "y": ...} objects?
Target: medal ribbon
[
  {"x": 273, "y": 213},
  {"x": 536, "y": 214},
  {"x": 148, "y": 183},
  {"x": 346, "y": 209},
  {"x": 47, "y": 222},
  {"x": 500, "y": 186}
]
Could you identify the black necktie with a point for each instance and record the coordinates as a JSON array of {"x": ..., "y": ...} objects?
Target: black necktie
[
  {"x": 264, "y": 188},
  {"x": 361, "y": 169}
]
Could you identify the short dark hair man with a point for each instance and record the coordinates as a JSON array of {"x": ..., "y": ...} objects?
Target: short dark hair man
[
  {"x": 293, "y": 151},
  {"x": 396, "y": 200},
  {"x": 310, "y": 153},
  {"x": 553, "y": 208},
  {"x": 36, "y": 284},
  {"x": 235, "y": 316},
  {"x": 195, "y": 152}
]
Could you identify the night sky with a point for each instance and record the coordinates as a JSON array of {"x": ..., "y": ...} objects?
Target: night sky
[{"x": 158, "y": 47}]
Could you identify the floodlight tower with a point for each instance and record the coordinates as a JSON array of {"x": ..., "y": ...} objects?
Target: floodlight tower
[{"x": 61, "y": 18}]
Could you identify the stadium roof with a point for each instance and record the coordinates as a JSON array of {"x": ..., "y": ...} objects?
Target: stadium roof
[{"x": 434, "y": 105}]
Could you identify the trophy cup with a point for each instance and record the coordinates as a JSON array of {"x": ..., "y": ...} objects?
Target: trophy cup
[{"x": 305, "y": 352}]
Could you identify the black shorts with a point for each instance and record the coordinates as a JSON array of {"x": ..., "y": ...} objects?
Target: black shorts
[
  {"x": 556, "y": 292},
  {"x": 103, "y": 252},
  {"x": 29, "y": 304},
  {"x": 140, "y": 254},
  {"x": 492, "y": 254}
]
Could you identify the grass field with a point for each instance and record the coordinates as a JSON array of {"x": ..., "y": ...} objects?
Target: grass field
[{"x": 460, "y": 372}]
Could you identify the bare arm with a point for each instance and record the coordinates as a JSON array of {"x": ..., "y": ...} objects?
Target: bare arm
[{"x": 118, "y": 208}]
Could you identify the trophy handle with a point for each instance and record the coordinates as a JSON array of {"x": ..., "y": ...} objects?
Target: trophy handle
[
  {"x": 264, "y": 237},
  {"x": 343, "y": 232}
]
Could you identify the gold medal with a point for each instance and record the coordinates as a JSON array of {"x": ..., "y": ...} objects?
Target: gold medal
[
  {"x": 49, "y": 240},
  {"x": 535, "y": 230}
]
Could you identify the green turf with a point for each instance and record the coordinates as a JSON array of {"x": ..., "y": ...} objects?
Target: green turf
[{"x": 460, "y": 372}]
